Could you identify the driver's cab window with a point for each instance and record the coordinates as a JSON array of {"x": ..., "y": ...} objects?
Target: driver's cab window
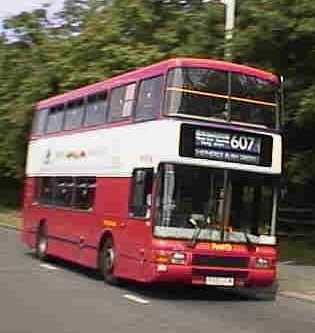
[{"x": 141, "y": 193}]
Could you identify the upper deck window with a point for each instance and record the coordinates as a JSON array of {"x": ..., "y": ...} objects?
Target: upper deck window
[
  {"x": 254, "y": 100},
  {"x": 96, "y": 110},
  {"x": 55, "y": 119},
  {"x": 149, "y": 98},
  {"x": 121, "y": 103},
  {"x": 214, "y": 93},
  {"x": 74, "y": 115},
  {"x": 39, "y": 121},
  {"x": 194, "y": 91}
]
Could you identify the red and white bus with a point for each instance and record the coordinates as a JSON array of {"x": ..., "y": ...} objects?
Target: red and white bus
[{"x": 167, "y": 173}]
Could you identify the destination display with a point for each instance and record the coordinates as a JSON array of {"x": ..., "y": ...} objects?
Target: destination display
[
  {"x": 225, "y": 145},
  {"x": 239, "y": 148}
]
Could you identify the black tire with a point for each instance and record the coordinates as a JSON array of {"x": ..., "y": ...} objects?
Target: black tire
[
  {"x": 41, "y": 243},
  {"x": 107, "y": 262}
]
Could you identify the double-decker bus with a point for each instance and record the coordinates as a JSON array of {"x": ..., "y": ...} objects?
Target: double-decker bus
[{"x": 168, "y": 173}]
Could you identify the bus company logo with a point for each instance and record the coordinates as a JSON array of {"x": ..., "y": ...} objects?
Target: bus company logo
[
  {"x": 221, "y": 247},
  {"x": 76, "y": 154}
]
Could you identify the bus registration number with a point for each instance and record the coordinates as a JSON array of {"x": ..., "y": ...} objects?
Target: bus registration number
[{"x": 219, "y": 281}]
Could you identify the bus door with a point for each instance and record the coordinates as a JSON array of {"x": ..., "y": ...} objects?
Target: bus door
[{"x": 136, "y": 238}]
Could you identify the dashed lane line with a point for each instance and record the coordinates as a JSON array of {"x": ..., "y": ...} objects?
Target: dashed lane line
[
  {"x": 49, "y": 267},
  {"x": 136, "y": 299}
]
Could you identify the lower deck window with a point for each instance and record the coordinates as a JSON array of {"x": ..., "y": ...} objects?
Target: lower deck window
[
  {"x": 63, "y": 191},
  {"x": 84, "y": 193},
  {"x": 71, "y": 192}
]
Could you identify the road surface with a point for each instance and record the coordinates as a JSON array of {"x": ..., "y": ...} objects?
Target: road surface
[{"x": 59, "y": 297}]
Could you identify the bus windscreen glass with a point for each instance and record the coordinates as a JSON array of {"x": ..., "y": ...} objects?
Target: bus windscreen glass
[
  {"x": 191, "y": 195},
  {"x": 209, "y": 93}
]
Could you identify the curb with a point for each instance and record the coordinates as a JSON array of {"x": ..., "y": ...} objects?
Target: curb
[
  {"x": 298, "y": 295},
  {"x": 10, "y": 227}
]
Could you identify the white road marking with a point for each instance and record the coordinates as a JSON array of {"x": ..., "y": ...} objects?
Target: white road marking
[
  {"x": 136, "y": 299},
  {"x": 47, "y": 266},
  {"x": 298, "y": 295},
  {"x": 287, "y": 262}
]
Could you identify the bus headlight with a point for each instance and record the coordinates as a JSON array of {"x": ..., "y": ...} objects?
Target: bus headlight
[
  {"x": 262, "y": 263},
  {"x": 167, "y": 257},
  {"x": 178, "y": 258}
]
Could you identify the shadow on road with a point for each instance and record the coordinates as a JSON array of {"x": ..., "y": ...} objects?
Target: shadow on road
[
  {"x": 175, "y": 292},
  {"x": 182, "y": 292}
]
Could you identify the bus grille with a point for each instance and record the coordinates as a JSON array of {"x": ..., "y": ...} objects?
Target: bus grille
[{"x": 215, "y": 261}]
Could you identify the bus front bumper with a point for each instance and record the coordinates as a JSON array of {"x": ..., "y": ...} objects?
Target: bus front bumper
[{"x": 214, "y": 276}]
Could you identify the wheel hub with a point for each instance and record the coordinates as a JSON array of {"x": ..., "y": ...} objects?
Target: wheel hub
[
  {"x": 109, "y": 258},
  {"x": 42, "y": 245}
]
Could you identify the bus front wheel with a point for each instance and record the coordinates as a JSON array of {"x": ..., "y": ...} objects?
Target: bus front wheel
[{"x": 107, "y": 262}]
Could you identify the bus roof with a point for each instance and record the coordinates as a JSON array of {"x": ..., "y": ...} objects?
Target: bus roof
[{"x": 149, "y": 71}]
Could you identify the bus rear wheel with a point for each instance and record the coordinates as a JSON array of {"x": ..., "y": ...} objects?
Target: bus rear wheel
[
  {"x": 41, "y": 243},
  {"x": 107, "y": 262}
]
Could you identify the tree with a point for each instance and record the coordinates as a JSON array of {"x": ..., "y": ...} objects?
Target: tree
[
  {"x": 93, "y": 39},
  {"x": 280, "y": 36}
]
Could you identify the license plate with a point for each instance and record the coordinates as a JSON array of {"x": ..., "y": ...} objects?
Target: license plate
[{"x": 219, "y": 281}]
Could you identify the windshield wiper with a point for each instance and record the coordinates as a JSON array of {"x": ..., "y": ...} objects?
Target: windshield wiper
[
  {"x": 247, "y": 238},
  {"x": 197, "y": 231}
]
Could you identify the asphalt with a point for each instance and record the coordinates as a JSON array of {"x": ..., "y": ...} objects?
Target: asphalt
[
  {"x": 60, "y": 297},
  {"x": 295, "y": 281},
  {"x": 64, "y": 298}
]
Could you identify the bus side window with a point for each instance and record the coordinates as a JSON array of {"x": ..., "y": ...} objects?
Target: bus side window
[
  {"x": 45, "y": 188},
  {"x": 96, "y": 109},
  {"x": 141, "y": 192},
  {"x": 84, "y": 192},
  {"x": 55, "y": 119},
  {"x": 74, "y": 115},
  {"x": 121, "y": 102},
  {"x": 63, "y": 191},
  {"x": 149, "y": 98},
  {"x": 39, "y": 121}
]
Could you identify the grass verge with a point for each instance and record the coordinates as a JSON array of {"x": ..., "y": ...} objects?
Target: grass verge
[
  {"x": 300, "y": 249},
  {"x": 10, "y": 216}
]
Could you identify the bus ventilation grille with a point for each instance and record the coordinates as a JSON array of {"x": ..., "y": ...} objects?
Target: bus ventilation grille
[{"x": 215, "y": 261}]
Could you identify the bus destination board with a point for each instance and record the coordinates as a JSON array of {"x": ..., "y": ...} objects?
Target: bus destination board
[{"x": 225, "y": 145}]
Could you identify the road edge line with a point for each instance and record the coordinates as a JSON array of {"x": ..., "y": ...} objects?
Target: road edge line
[
  {"x": 298, "y": 295},
  {"x": 10, "y": 227}
]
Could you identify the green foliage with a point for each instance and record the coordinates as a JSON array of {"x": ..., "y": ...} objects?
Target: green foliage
[
  {"x": 92, "y": 39},
  {"x": 280, "y": 36}
]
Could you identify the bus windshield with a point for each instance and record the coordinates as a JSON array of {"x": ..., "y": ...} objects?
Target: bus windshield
[
  {"x": 211, "y": 93},
  {"x": 236, "y": 209}
]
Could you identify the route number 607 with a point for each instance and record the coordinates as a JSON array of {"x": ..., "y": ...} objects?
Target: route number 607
[{"x": 242, "y": 142}]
